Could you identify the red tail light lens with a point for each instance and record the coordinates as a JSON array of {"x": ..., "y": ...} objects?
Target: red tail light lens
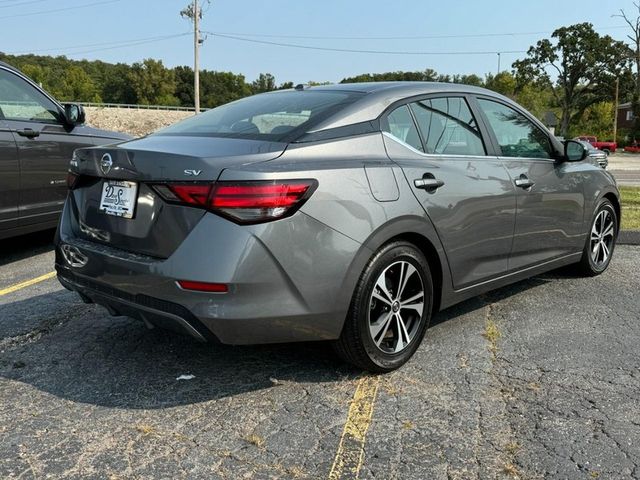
[
  {"x": 192, "y": 194},
  {"x": 243, "y": 202},
  {"x": 72, "y": 180}
]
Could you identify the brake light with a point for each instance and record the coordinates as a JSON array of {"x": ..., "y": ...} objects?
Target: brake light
[
  {"x": 243, "y": 202},
  {"x": 72, "y": 180}
]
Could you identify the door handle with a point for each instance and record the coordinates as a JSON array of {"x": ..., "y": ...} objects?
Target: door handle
[
  {"x": 524, "y": 182},
  {"x": 28, "y": 132},
  {"x": 428, "y": 183}
]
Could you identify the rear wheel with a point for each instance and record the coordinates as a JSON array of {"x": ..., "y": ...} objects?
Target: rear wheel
[
  {"x": 601, "y": 240},
  {"x": 390, "y": 309}
]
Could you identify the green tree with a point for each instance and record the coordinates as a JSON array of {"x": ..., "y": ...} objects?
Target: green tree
[
  {"x": 222, "y": 87},
  {"x": 116, "y": 86},
  {"x": 503, "y": 83},
  {"x": 264, "y": 83},
  {"x": 584, "y": 66},
  {"x": 153, "y": 83},
  {"x": 78, "y": 86},
  {"x": 36, "y": 73}
]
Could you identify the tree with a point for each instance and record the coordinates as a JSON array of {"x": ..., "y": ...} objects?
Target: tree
[
  {"x": 116, "y": 86},
  {"x": 584, "y": 64},
  {"x": 153, "y": 83},
  {"x": 222, "y": 87},
  {"x": 634, "y": 24},
  {"x": 264, "y": 83},
  {"x": 78, "y": 86},
  {"x": 503, "y": 83}
]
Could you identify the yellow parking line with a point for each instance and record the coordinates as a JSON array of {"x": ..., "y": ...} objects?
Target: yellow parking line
[
  {"x": 27, "y": 283},
  {"x": 350, "y": 454}
]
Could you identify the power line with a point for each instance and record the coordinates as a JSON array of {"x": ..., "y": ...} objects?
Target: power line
[
  {"x": 122, "y": 43},
  {"x": 22, "y": 3},
  {"x": 410, "y": 37},
  {"x": 56, "y": 10},
  {"x": 349, "y": 50}
]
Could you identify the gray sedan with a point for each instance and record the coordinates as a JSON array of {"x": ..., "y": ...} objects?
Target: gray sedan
[{"x": 348, "y": 213}]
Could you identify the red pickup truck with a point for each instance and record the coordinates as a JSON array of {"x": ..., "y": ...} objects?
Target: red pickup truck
[{"x": 607, "y": 147}]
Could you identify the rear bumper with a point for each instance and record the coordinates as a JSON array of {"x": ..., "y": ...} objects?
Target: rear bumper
[{"x": 278, "y": 291}]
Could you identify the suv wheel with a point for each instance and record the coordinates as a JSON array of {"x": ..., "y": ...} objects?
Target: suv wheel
[{"x": 390, "y": 309}]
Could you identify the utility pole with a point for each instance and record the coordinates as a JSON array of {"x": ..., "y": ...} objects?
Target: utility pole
[
  {"x": 196, "y": 56},
  {"x": 499, "y": 58},
  {"x": 615, "y": 111}
]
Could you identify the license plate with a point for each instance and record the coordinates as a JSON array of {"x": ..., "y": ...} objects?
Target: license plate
[{"x": 119, "y": 198}]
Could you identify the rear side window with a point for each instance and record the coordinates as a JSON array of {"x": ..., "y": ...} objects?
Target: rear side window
[
  {"x": 270, "y": 116},
  {"x": 516, "y": 134},
  {"x": 401, "y": 125},
  {"x": 448, "y": 127}
]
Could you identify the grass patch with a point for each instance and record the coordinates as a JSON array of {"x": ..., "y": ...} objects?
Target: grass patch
[
  {"x": 492, "y": 334},
  {"x": 255, "y": 440},
  {"x": 630, "y": 208}
]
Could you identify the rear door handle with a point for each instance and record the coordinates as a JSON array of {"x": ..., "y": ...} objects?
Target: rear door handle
[
  {"x": 524, "y": 182},
  {"x": 28, "y": 132},
  {"x": 428, "y": 183}
]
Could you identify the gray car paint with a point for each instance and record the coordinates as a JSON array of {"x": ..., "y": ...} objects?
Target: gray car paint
[{"x": 293, "y": 279}]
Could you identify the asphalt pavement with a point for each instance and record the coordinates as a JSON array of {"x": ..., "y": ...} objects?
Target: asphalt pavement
[
  {"x": 537, "y": 380},
  {"x": 625, "y": 167}
]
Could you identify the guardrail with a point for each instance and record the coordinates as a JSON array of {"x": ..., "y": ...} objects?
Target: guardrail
[{"x": 140, "y": 107}]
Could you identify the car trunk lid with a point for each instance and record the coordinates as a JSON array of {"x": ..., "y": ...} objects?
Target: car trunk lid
[{"x": 157, "y": 227}]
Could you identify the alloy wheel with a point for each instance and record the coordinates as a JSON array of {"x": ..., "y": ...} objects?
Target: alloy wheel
[
  {"x": 396, "y": 307},
  {"x": 602, "y": 237}
]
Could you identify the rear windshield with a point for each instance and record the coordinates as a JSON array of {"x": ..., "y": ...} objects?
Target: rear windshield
[{"x": 270, "y": 116}]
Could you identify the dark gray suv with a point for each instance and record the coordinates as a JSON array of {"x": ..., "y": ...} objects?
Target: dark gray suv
[
  {"x": 37, "y": 138},
  {"x": 347, "y": 213}
]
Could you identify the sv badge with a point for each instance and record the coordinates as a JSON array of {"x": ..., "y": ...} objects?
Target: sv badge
[{"x": 192, "y": 173}]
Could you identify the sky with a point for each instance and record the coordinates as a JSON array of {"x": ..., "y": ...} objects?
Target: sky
[{"x": 131, "y": 30}]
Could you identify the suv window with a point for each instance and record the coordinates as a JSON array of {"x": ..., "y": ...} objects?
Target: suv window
[
  {"x": 516, "y": 134},
  {"x": 21, "y": 101},
  {"x": 401, "y": 125},
  {"x": 448, "y": 127}
]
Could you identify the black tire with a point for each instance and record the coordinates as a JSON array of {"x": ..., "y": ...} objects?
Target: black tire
[
  {"x": 356, "y": 344},
  {"x": 588, "y": 265}
]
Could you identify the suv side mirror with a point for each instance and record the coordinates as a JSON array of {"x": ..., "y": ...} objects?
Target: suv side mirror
[
  {"x": 574, "y": 151},
  {"x": 74, "y": 114}
]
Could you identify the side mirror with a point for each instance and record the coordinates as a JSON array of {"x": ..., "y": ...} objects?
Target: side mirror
[
  {"x": 74, "y": 114},
  {"x": 574, "y": 151}
]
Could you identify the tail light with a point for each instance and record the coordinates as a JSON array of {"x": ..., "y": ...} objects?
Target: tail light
[
  {"x": 72, "y": 180},
  {"x": 243, "y": 202}
]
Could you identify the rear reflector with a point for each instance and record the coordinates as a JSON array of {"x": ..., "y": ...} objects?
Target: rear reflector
[
  {"x": 242, "y": 202},
  {"x": 203, "y": 286}
]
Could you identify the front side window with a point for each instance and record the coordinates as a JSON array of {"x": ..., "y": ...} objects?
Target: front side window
[
  {"x": 21, "y": 101},
  {"x": 516, "y": 134},
  {"x": 270, "y": 116},
  {"x": 402, "y": 126},
  {"x": 448, "y": 127}
]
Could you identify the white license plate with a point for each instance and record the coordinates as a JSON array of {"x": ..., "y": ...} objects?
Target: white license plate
[{"x": 119, "y": 198}]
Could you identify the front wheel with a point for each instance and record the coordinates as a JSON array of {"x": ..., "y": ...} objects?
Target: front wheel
[
  {"x": 390, "y": 309},
  {"x": 601, "y": 240}
]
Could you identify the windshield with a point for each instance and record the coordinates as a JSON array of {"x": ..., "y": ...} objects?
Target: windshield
[{"x": 270, "y": 116}]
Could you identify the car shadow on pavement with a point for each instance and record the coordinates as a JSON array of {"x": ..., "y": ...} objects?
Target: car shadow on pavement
[
  {"x": 25, "y": 246},
  {"x": 57, "y": 344},
  {"x": 80, "y": 353}
]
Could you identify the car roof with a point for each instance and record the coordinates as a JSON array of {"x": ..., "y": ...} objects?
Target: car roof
[
  {"x": 379, "y": 95},
  {"x": 9, "y": 67}
]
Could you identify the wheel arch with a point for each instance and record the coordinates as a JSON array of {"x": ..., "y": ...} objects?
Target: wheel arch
[
  {"x": 412, "y": 229},
  {"x": 615, "y": 200}
]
